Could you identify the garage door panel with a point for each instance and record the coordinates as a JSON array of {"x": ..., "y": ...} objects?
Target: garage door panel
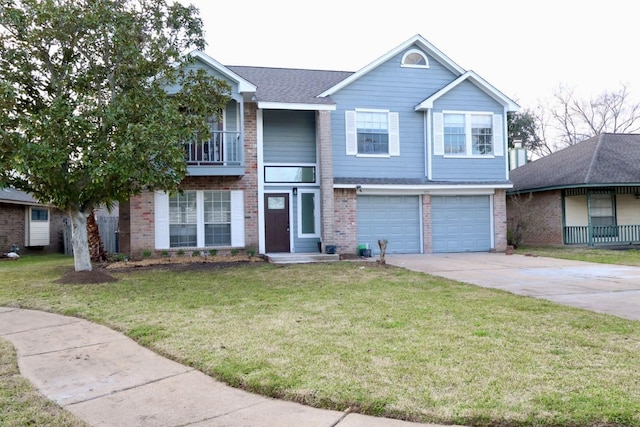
[
  {"x": 461, "y": 223},
  {"x": 395, "y": 218}
]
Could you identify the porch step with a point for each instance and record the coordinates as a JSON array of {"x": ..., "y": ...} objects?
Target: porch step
[{"x": 301, "y": 258}]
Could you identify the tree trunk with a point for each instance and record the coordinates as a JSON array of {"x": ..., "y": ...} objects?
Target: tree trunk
[
  {"x": 96, "y": 248},
  {"x": 82, "y": 260}
]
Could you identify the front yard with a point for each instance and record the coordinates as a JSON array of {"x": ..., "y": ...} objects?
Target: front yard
[{"x": 380, "y": 340}]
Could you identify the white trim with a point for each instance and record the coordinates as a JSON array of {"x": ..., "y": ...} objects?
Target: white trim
[
  {"x": 419, "y": 41},
  {"x": 243, "y": 85},
  {"x": 426, "y": 188},
  {"x": 498, "y": 135},
  {"x": 260, "y": 160},
  {"x": 428, "y": 150},
  {"x": 419, "y": 52},
  {"x": 295, "y": 106},
  {"x": 291, "y": 232},
  {"x": 482, "y": 84},
  {"x": 316, "y": 213}
]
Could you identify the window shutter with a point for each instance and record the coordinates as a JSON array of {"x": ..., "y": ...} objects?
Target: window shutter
[
  {"x": 498, "y": 139},
  {"x": 438, "y": 134},
  {"x": 237, "y": 219},
  {"x": 161, "y": 207},
  {"x": 394, "y": 134},
  {"x": 351, "y": 133}
]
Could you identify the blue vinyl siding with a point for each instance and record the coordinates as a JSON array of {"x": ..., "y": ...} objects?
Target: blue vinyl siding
[
  {"x": 289, "y": 136},
  {"x": 215, "y": 73},
  {"x": 397, "y": 89},
  {"x": 468, "y": 97}
]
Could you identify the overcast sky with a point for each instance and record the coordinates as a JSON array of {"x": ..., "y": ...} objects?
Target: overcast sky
[{"x": 525, "y": 49}]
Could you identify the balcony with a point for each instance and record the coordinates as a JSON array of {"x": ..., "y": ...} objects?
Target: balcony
[{"x": 221, "y": 155}]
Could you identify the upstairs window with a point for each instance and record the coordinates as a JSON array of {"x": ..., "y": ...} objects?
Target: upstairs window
[
  {"x": 467, "y": 134},
  {"x": 372, "y": 133},
  {"x": 415, "y": 58}
]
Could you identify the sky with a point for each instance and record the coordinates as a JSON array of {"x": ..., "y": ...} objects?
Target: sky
[{"x": 526, "y": 49}]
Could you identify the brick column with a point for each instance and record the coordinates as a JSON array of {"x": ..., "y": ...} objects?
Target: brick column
[
  {"x": 427, "y": 227},
  {"x": 500, "y": 220},
  {"x": 325, "y": 152}
]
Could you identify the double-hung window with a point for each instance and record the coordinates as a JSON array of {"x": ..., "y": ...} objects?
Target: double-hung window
[
  {"x": 372, "y": 133},
  {"x": 602, "y": 214},
  {"x": 468, "y": 134},
  {"x": 183, "y": 220},
  {"x": 199, "y": 218}
]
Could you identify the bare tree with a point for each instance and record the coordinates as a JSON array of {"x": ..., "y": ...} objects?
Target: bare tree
[{"x": 573, "y": 119}]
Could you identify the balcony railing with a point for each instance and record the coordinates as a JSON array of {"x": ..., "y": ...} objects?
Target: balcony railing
[
  {"x": 601, "y": 234},
  {"x": 222, "y": 154}
]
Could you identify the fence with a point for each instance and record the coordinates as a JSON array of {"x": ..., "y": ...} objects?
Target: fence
[
  {"x": 108, "y": 226},
  {"x": 601, "y": 234}
]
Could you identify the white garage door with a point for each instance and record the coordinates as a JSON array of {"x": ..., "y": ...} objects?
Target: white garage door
[
  {"x": 395, "y": 218},
  {"x": 461, "y": 223}
]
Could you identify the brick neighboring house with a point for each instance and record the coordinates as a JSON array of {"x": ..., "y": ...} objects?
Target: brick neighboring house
[
  {"x": 33, "y": 227},
  {"x": 411, "y": 149},
  {"x": 585, "y": 194}
]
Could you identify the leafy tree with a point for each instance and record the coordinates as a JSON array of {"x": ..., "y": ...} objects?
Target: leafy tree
[
  {"x": 523, "y": 127},
  {"x": 85, "y": 117}
]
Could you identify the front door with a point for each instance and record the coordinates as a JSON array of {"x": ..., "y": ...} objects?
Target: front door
[{"x": 276, "y": 222}]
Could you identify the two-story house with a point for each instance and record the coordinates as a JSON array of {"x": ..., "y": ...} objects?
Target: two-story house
[{"x": 411, "y": 149}]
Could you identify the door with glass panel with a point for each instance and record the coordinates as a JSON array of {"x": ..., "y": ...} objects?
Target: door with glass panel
[{"x": 277, "y": 224}]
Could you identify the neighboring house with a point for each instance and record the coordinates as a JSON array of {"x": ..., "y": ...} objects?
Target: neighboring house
[
  {"x": 411, "y": 149},
  {"x": 585, "y": 194},
  {"x": 28, "y": 224}
]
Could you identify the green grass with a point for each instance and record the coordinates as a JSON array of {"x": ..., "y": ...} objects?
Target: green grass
[
  {"x": 379, "y": 340},
  {"x": 582, "y": 253}
]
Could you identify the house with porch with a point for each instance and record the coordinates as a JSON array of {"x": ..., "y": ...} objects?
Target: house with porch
[
  {"x": 585, "y": 194},
  {"x": 410, "y": 149}
]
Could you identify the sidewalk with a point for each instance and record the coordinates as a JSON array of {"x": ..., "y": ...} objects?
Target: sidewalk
[{"x": 107, "y": 379}]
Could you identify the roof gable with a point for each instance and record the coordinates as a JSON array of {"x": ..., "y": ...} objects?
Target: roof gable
[
  {"x": 417, "y": 40},
  {"x": 244, "y": 86},
  {"x": 478, "y": 81},
  {"x": 603, "y": 160}
]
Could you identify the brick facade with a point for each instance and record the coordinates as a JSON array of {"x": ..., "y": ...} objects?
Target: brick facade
[
  {"x": 137, "y": 216},
  {"x": 427, "y": 244},
  {"x": 345, "y": 227},
  {"x": 325, "y": 153},
  {"x": 12, "y": 229},
  {"x": 541, "y": 215},
  {"x": 500, "y": 220}
]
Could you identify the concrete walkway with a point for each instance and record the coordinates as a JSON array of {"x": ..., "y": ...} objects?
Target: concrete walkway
[
  {"x": 107, "y": 379},
  {"x": 604, "y": 288}
]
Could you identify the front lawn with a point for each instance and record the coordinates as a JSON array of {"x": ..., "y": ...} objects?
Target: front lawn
[{"x": 380, "y": 340}]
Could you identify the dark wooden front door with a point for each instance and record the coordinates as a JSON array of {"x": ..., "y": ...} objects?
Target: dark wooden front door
[{"x": 276, "y": 222}]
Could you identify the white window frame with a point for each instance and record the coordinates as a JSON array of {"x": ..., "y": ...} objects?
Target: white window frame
[
  {"x": 351, "y": 129},
  {"x": 316, "y": 213},
  {"x": 496, "y": 129},
  {"x": 416, "y": 51},
  {"x": 162, "y": 220}
]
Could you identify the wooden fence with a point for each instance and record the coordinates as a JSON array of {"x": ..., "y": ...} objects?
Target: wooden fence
[{"x": 108, "y": 226}]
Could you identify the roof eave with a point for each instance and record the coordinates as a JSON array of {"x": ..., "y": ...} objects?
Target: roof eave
[{"x": 244, "y": 86}]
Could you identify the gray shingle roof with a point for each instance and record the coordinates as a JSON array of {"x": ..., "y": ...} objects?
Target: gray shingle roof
[
  {"x": 287, "y": 85},
  {"x": 606, "y": 159},
  {"x": 11, "y": 195}
]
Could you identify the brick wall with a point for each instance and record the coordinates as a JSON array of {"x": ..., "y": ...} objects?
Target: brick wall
[
  {"x": 500, "y": 220},
  {"x": 325, "y": 153},
  {"x": 137, "y": 223},
  {"x": 12, "y": 229},
  {"x": 541, "y": 214},
  {"x": 427, "y": 229},
  {"x": 345, "y": 224}
]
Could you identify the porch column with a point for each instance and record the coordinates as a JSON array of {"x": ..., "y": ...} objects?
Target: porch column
[{"x": 325, "y": 153}]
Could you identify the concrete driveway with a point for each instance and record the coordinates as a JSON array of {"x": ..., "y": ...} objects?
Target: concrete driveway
[{"x": 605, "y": 288}]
